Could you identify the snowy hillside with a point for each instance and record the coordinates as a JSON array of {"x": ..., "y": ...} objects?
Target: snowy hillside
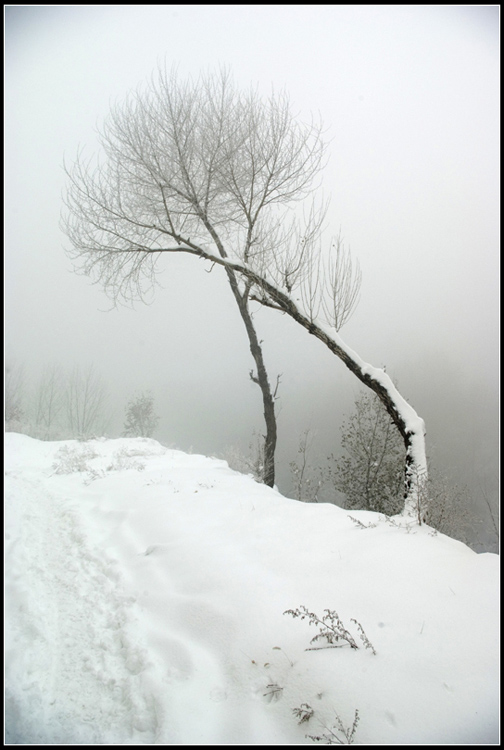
[{"x": 145, "y": 599}]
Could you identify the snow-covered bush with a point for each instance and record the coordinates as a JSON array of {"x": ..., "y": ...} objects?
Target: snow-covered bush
[{"x": 72, "y": 459}]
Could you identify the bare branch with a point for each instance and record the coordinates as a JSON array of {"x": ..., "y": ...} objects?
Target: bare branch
[{"x": 343, "y": 282}]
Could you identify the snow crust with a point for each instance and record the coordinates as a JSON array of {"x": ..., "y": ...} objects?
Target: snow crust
[{"x": 144, "y": 597}]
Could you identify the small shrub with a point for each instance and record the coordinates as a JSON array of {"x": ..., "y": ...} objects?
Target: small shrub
[
  {"x": 141, "y": 421},
  {"x": 251, "y": 463},
  {"x": 122, "y": 460},
  {"x": 70, "y": 460}
]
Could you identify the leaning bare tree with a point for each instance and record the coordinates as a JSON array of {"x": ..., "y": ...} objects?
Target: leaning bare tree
[
  {"x": 193, "y": 160},
  {"x": 222, "y": 189}
]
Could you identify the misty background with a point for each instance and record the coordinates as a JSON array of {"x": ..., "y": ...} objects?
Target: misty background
[{"x": 409, "y": 99}]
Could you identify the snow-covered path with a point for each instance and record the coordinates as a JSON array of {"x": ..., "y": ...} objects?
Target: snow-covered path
[
  {"x": 145, "y": 592},
  {"x": 73, "y": 656},
  {"x": 79, "y": 626}
]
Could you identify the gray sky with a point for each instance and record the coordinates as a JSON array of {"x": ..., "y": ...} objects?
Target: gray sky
[{"x": 409, "y": 98}]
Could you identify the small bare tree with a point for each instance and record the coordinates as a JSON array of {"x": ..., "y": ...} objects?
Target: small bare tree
[
  {"x": 206, "y": 170},
  {"x": 369, "y": 474},
  {"x": 49, "y": 402},
  {"x": 14, "y": 410},
  {"x": 306, "y": 481},
  {"x": 447, "y": 508},
  {"x": 85, "y": 402},
  {"x": 204, "y": 165}
]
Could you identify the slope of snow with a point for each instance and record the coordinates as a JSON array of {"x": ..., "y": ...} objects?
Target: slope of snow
[{"x": 145, "y": 599}]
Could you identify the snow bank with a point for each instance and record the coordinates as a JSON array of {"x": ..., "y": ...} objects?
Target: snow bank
[{"x": 145, "y": 592}]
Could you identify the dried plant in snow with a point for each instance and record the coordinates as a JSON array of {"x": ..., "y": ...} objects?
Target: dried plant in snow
[
  {"x": 338, "y": 734},
  {"x": 331, "y": 629},
  {"x": 361, "y": 525},
  {"x": 303, "y": 713}
]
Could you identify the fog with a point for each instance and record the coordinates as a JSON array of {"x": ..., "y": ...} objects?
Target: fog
[{"x": 409, "y": 100}]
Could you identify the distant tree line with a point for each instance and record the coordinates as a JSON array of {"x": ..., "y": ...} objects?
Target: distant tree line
[
  {"x": 368, "y": 475},
  {"x": 69, "y": 404}
]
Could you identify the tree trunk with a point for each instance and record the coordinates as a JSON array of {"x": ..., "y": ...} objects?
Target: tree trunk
[
  {"x": 405, "y": 418},
  {"x": 242, "y": 300},
  {"x": 262, "y": 381},
  {"x": 270, "y": 439}
]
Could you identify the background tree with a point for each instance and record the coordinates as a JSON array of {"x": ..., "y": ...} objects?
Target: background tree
[
  {"x": 198, "y": 163},
  {"x": 493, "y": 512},
  {"x": 222, "y": 193},
  {"x": 447, "y": 508},
  {"x": 306, "y": 480},
  {"x": 49, "y": 403},
  {"x": 85, "y": 403},
  {"x": 14, "y": 413},
  {"x": 140, "y": 418},
  {"x": 370, "y": 475}
]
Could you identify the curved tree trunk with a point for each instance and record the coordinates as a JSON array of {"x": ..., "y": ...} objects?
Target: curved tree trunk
[{"x": 405, "y": 418}]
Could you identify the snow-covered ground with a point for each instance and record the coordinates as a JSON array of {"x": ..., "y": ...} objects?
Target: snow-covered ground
[{"x": 145, "y": 599}]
